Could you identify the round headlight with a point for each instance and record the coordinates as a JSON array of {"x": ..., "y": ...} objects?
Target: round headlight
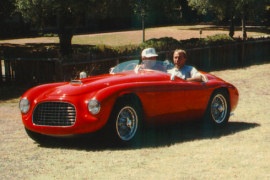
[
  {"x": 24, "y": 105},
  {"x": 93, "y": 106}
]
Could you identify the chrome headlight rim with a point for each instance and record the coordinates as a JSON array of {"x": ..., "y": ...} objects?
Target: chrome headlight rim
[
  {"x": 93, "y": 106},
  {"x": 24, "y": 105}
]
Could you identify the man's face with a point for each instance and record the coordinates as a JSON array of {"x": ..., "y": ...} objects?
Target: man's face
[
  {"x": 179, "y": 59},
  {"x": 149, "y": 62}
]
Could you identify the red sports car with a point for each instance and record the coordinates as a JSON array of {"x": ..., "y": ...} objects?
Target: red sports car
[{"x": 122, "y": 101}]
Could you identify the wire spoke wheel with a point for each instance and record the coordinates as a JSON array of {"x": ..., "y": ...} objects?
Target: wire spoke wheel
[
  {"x": 127, "y": 123},
  {"x": 219, "y": 108}
]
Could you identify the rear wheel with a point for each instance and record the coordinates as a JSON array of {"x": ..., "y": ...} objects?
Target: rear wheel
[{"x": 218, "y": 110}]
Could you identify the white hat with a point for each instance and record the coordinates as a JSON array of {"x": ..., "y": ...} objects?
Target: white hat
[{"x": 149, "y": 52}]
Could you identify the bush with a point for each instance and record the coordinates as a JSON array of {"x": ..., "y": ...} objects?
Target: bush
[
  {"x": 162, "y": 44},
  {"x": 103, "y": 51},
  {"x": 219, "y": 39}
]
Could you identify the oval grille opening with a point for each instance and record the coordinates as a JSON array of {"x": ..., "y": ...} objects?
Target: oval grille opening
[{"x": 54, "y": 114}]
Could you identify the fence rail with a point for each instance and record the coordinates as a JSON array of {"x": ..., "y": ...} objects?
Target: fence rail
[{"x": 206, "y": 58}]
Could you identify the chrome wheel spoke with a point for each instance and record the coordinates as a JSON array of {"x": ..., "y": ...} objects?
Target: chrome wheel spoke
[
  {"x": 219, "y": 108},
  {"x": 127, "y": 123}
]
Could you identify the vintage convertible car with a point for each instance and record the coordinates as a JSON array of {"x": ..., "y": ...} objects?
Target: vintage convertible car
[{"x": 122, "y": 101}]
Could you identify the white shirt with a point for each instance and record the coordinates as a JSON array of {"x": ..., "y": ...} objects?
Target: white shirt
[{"x": 185, "y": 72}]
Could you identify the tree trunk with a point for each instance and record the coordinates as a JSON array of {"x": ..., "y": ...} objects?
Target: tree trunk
[
  {"x": 65, "y": 37},
  {"x": 244, "y": 30},
  {"x": 231, "y": 34},
  {"x": 65, "y": 32}
]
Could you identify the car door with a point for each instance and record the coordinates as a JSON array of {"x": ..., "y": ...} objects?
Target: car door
[
  {"x": 196, "y": 96},
  {"x": 165, "y": 101}
]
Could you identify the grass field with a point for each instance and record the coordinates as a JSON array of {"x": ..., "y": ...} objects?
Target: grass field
[
  {"x": 135, "y": 37},
  {"x": 239, "y": 151}
]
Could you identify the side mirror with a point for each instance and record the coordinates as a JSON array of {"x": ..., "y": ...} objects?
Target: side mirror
[
  {"x": 83, "y": 75},
  {"x": 111, "y": 71}
]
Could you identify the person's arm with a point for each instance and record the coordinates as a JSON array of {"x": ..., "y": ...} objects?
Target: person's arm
[
  {"x": 195, "y": 75},
  {"x": 196, "y": 78}
]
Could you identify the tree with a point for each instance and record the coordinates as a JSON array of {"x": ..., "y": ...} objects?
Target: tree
[
  {"x": 141, "y": 9},
  {"x": 68, "y": 13},
  {"x": 158, "y": 12},
  {"x": 6, "y": 10},
  {"x": 244, "y": 9},
  {"x": 117, "y": 14}
]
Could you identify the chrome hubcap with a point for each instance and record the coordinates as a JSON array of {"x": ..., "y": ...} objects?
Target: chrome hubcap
[
  {"x": 219, "y": 108},
  {"x": 126, "y": 123}
]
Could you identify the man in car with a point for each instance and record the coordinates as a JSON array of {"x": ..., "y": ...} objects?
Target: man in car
[
  {"x": 188, "y": 73},
  {"x": 149, "y": 60}
]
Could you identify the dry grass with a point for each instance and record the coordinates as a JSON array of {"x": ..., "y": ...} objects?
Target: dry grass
[{"x": 240, "y": 151}]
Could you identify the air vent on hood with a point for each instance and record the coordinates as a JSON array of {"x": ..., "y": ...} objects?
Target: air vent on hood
[{"x": 75, "y": 82}]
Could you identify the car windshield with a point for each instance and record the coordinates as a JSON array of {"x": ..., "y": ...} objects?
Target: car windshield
[{"x": 150, "y": 64}]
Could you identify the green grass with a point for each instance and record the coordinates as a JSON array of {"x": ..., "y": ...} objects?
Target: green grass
[{"x": 238, "y": 151}]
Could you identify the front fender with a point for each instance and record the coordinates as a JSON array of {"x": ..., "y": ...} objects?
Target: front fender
[
  {"x": 109, "y": 95},
  {"x": 38, "y": 90}
]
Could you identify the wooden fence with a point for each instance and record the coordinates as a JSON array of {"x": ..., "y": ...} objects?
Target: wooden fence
[
  {"x": 230, "y": 56},
  {"x": 34, "y": 71}
]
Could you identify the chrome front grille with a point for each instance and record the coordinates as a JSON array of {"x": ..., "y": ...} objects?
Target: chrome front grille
[{"x": 54, "y": 114}]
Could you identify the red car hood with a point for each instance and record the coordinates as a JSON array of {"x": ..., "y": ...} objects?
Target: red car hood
[{"x": 91, "y": 84}]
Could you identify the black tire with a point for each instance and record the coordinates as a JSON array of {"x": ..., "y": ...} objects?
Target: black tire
[
  {"x": 125, "y": 120},
  {"x": 218, "y": 110}
]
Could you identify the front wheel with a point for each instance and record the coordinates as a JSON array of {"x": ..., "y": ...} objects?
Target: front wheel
[
  {"x": 218, "y": 110},
  {"x": 126, "y": 123},
  {"x": 125, "y": 120}
]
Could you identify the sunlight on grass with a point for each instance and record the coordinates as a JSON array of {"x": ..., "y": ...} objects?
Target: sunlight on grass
[
  {"x": 135, "y": 37},
  {"x": 111, "y": 39},
  {"x": 176, "y": 32}
]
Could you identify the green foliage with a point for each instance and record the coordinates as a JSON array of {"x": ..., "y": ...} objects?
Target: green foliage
[
  {"x": 49, "y": 35},
  {"x": 69, "y": 13},
  {"x": 228, "y": 8},
  {"x": 165, "y": 43},
  {"x": 104, "y": 51},
  {"x": 161, "y": 44},
  {"x": 6, "y": 9},
  {"x": 218, "y": 39}
]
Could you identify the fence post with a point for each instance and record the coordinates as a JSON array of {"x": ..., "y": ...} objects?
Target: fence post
[
  {"x": 1, "y": 76},
  {"x": 243, "y": 55},
  {"x": 58, "y": 70},
  {"x": 7, "y": 71},
  {"x": 209, "y": 59}
]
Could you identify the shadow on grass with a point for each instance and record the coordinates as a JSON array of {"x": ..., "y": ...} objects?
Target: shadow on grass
[
  {"x": 12, "y": 91},
  {"x": 152, "y": 137}
]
